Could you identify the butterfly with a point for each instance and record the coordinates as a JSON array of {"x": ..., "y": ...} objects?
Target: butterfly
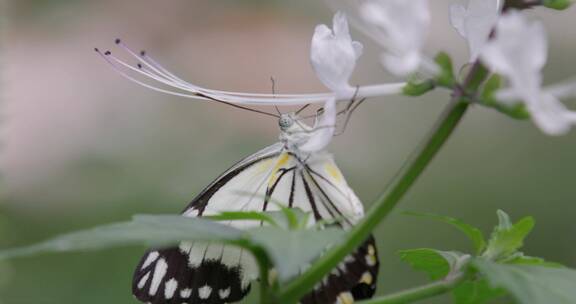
[{"x": 195, "y": 272}]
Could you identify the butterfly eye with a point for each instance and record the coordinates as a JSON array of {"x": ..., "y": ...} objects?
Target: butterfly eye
[{"x": 285, "y": 122}]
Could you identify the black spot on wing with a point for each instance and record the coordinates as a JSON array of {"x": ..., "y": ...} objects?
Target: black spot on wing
[
  {"x": 211, "y": 282},
  {"x": 355, "y": 278}
]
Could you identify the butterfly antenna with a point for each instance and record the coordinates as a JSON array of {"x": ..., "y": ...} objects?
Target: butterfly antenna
[
  {"x": 274, "y": 93},
  {"x": 350, "y": 108},
  {"x": 239, "y": 106},
  {"x": 302, "y": 108}
]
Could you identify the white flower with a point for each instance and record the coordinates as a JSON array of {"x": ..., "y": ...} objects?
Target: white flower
[
  {"x": 519, "y": 52},
  {"x": 401, "y": 27},
  {"x": 475, "y": 22},
  {"x": 323, "y": 129},
  {"x": 333, "y": 55}
]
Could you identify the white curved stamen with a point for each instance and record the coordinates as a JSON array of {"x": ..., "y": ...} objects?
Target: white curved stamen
[
  {"x": 156, "y": 67},
  {"x": 182, "y": 84},
  {"x": 152, "y": 70},
  {"x": 195, "y": 93}
]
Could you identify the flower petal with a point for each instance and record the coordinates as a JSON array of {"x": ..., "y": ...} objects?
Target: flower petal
[
  {"x": 333, "y": 54},
  {"x": 519, "y": 52},
  {"x": 519, "y": 46},
  {"x": 458, "y": 18},
  {"x": 403, "y": 64},
  {"x": 551, "y": 116},
  {"x": 562, "y": 90},
  {"x": 402, "y": 27},
  {"x": 475, "y": 22},
  {"x": 323, "y": 129}
]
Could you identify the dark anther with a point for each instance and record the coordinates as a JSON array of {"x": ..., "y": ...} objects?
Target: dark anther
[
  {"x": 142, "y": 53},
  {"x": 107, "y": 53},
  {"x": 139, "y": 65},
  {"x": 96, "y": 50},
  {"x": 117, "y": 41}
]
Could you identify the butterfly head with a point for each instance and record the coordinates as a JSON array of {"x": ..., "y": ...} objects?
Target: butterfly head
[
  {"x": 293, "y": 133},
  {"x": 286, "y": 121}
]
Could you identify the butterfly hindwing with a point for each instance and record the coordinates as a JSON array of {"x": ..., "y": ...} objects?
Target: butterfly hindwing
[
  {"x": 165, "y": 276},
  {"x": 213, "y": 273},
  {"x": 354, "y": 278}
]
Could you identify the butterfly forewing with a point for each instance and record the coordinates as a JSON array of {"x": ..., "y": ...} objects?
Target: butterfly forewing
[{"x": 196, "y": 272}]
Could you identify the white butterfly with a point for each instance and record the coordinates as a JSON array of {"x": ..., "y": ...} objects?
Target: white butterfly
[{"x": 285, "y": 172}]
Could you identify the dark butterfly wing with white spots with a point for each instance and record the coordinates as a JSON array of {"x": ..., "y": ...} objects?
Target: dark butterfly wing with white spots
[
  {"x": 164, "y": 276},
  {"x": 213, "y": 273},
  {"x": 353, "y": 279}
]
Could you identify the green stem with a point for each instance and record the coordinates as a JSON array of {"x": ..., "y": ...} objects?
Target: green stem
[
  {"x": 264, "y": 264},
  {"x": 417, "y": 293},
  {"x": 408, "y": 174},
  {"x": 264, "y": 269}
]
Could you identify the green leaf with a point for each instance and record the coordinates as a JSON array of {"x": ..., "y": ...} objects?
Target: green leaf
[
  {"x": 516, "y": 111},
  {"x": 473, "y": 233},
  {"x": 446, "y": 76},
  {"x": 267, "y": 217},
  {"x": 143, "y": 229},
  {"x": 507, "y": 238},
  {"x": 475, "y": 292},
  {"x": 437, "y": 264},
  {"x": 294, "y": 218},
  {"x": 288, "y": 218},
  {"x": 557, "y": 4},
  {"x": 504, "y": 221},
  {"x": 530, "y": 284},
  {"x": 293, "y": 250},
  {"x": 290, "y": 250},
  {"x": 492, "y": 85},
  {"x": 520, "y": 258}
]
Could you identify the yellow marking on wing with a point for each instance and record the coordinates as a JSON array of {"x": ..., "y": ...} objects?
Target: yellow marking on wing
[
  {"x": 366, "y": 278},
  {"x": 264, "y": 165},
  {"x": 370, "y": 260},
  {"x": 345, "y": 298},
  {"x": 282, "y": 160},
  {"x": 371, "y": 249},
  {"x": 333, "y": 171}
]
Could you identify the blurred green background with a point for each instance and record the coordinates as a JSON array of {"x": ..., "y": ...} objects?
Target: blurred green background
[{"x": 81, "y": 146}]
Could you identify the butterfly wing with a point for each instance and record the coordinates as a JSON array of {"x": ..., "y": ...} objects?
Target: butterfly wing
[
  {"x": 200, "y": 272},
  {"x": 355, "y": 277}
]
